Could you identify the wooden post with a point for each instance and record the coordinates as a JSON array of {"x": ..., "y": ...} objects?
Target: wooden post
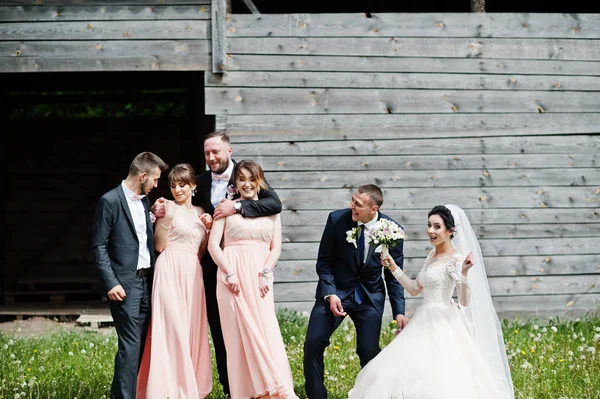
[
  {"x": 220, "y": 9},
  {"x": 251, "y": 6},
  {"x": 477, "y": 5},
  {"x": 7, "y": 169}
]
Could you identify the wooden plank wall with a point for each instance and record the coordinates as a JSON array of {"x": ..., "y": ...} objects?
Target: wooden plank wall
[
  {"x": 104, "y": 35},
  {"x": 497, "y": 113}
]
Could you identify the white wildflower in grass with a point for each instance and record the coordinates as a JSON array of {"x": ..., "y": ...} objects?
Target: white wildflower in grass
[{"x": 547, "y": 365}]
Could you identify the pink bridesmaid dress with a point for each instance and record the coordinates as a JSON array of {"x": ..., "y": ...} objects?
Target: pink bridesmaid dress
[
  {"x": 176, "y": 362},
  {"x": 257, "y": 363}
]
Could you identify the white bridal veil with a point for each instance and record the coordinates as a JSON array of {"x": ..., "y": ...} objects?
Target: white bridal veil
[{"x": 481, "y": 316}]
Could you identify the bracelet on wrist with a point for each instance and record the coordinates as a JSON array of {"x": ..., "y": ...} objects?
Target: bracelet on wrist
[
  {"x": 264, "y": 272},
  {"x": 229, "y": 275},
  {"x": 464, "y": 281},
  {"x": 398, "y": 273}
]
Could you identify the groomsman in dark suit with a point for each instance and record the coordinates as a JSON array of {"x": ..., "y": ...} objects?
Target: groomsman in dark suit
[
  {"x": 216, "y": 196},
  {"x": 350, "y": 283},
  {"x": 123, "y": 248}
]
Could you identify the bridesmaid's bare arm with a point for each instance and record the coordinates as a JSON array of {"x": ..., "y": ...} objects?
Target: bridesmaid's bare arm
[{"x": 275, "y": 253}]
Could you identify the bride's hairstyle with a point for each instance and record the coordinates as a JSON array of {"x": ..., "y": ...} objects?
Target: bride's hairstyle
[{"x": 446, "y": 216}]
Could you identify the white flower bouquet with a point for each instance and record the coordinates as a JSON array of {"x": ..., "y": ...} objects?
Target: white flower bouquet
[{"x": 385, "y": 233}]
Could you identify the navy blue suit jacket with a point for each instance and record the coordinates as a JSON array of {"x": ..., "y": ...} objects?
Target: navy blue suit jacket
[
  {"x": 115, "y": 243},
  {"x": 340, "y": 270}
]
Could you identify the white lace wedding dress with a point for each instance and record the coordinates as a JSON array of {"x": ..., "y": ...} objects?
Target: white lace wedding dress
[{"x": 434, "y": 356}]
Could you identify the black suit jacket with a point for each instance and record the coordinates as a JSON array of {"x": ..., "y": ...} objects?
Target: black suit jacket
[
  {"x": 340, "y": 270},
  {"x": 268, "y": 203},
  {"x": 115, "y": 244}
]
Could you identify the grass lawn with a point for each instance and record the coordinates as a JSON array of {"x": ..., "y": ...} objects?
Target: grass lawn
[{"x": 549, "y": 359}]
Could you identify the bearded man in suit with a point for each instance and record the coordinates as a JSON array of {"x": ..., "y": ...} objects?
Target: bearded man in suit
[
  {"x": 216, "y": 195},
  {"x": 123, "y": 249}
]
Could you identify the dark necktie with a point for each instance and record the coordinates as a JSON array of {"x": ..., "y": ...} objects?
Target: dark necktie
[
  {"x": 359, "y": 293},
  {"x": 361, "y": 244}
]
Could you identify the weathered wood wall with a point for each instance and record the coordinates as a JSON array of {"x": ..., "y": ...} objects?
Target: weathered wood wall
[
  {"x": 104, "y": 35},
  {"x": 497, "y": 113}
]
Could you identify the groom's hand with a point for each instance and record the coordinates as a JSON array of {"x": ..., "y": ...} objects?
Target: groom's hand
[
  {"x": 401, "y": 321},
  {"x": 335, "y": 305}
]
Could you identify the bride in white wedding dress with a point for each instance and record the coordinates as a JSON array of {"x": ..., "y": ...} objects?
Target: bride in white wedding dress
[{"x": 447, "y": 350}]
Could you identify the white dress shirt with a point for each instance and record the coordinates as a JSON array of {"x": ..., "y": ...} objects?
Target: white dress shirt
[
  {"x": 138, "y": 213},
  {"x": 368, "y": 225},
  {"x": 218, "y": 188}
]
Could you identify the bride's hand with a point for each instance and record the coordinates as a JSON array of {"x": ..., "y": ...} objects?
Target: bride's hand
[
  {"x": 388, "y": 261},
  {"x": 468, "y": 263}
]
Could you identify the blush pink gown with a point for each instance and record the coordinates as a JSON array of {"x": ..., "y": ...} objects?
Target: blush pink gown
[
  {"x": 176, "y": 361},
  {"x": 257, "y": 363}
]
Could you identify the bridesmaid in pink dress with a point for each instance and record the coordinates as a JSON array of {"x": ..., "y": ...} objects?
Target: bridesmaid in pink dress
[
  {"x": 257, "y": 363},
  {"x": 176, "y": 361}
]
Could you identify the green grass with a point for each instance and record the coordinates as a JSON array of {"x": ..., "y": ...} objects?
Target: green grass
[{"x": 549, "y": 360}]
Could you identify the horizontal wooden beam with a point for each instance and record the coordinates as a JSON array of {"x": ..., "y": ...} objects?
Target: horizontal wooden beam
[
  {"x": 299, "y": 128},
  {"x": 495, "y": 25},
  {"x": 393, "y": 178},
  {"x": 385, "y": 163},
  {"x": 499, "y": 286},
  {"x": 104, "y": 55},
  {"x": 132, "y": 63},
  {"x": 480, "y": 218},
  {"x": 478, "y": 48},
  {"x": 296, "y": 271},
  {"x": 393, "y": 101},
  {"x": 408, "y": 198},
  {"x": 105, "y": 13},
  {"x": 261, "y": 62},
  {"x": 103, "y": 2},
  {"x": 105, "y": 30},
  {"x": 489, "y": 247},
  {"x": 296, "y": 233},
  {"x": 510, "y": 308},
  {"x": 375, "y": 80}
]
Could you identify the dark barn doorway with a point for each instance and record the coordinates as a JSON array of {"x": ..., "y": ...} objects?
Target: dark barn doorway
[{"x": 68, "y": 138}]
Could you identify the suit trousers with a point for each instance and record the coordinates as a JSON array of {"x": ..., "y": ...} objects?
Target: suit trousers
[
  {"x": 209, "y": 274},
  {"x": 131, "y": 318},
  {"x": 322, "y": 324}
]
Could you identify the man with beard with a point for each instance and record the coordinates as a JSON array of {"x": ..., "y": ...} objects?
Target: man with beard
[{"x": 123, "y": 248}]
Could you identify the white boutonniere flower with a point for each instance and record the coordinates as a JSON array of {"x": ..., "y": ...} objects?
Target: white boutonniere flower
[
  {"x": 152, "y": 217},
  {"x": 231, "y": 192},
  {"x": 352, "y": 236}
]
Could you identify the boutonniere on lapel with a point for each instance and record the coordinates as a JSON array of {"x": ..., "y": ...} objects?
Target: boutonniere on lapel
[
  {"x": 231, "y": 192},
  {"x": 352, "y": 236}
]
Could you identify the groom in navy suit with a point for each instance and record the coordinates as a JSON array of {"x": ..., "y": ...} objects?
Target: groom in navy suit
[{"x": 350, "y": 283}]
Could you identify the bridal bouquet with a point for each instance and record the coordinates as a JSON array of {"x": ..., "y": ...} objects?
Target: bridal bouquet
[{"x": 385, "y": 233}]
